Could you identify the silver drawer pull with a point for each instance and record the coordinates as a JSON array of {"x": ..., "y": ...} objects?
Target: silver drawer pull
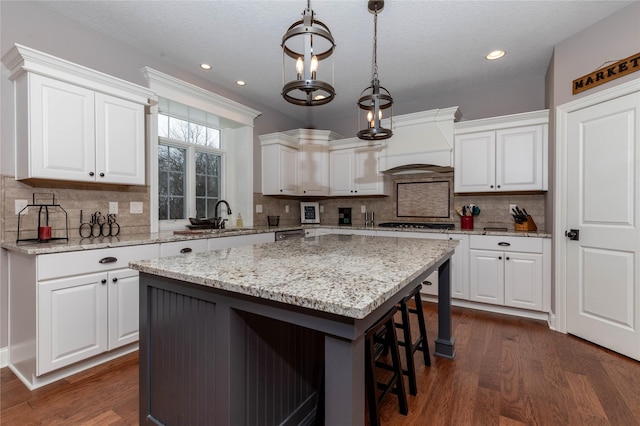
[
  {"x": 186, "y": 250},
  {"x": 427, "y": 283},
  {"x": 503, "y": 244},
  {"x": 108, "y": 260}
]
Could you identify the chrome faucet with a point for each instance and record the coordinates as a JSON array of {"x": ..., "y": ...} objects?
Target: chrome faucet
[{"x": 218, "y": 221}]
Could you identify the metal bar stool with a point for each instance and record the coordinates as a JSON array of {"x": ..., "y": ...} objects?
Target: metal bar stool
[
  {"x": 410, "y": 346},
  {"x": 380, "y": 336}
]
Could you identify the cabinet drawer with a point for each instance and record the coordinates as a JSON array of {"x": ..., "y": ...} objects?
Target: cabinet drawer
[
  {"x": 492, "y": 242},
  {"x": 183, "y": 247},
  {"x": 84, "y": 262}
]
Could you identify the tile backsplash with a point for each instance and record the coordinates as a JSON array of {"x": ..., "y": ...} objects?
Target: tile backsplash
[
  {"x": 494, "y": 208},
  {"x": 73, "y": 197}
]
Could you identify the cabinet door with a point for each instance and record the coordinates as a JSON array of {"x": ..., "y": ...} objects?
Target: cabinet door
[
  {"x": 279, "y": 170},
  {"x": 341, "y": 172},
  {"x": 119, "y": 141},
  {"x": 72, "y": 320},
  {"x": 314, "y": 169},
  {"x": 366, "y": 179},
  {"x": 475, "y": 162},
  {"x": 486, "y": 276},
  {"x": 523, "y": 280},
  {"x": 61, "y": 130},
  {"x": 288, "y": 170},
  {"x": 519, "y": 159},
  {"x": 123, "y": 308}
]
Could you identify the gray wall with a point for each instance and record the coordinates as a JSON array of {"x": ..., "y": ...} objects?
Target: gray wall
[{"x": 510, "y": 97}]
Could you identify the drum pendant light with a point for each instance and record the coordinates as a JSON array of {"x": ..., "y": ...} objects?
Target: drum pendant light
[
  {"x": 375, "y": 99},
  {"x": 305, "y": 45}
]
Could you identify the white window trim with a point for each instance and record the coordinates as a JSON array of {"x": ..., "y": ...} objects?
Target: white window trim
[
  {"x": 190, "y": 178},
  {"x": 165, "y": 86}
]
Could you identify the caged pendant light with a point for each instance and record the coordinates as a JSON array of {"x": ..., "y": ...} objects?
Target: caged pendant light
[
  {"x": 306, "y": 43},
  {"x": 375, "y": 98}
]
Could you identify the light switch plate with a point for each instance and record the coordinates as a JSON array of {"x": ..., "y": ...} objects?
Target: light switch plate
[
  {"x": 135, "y": 207},
  {"x": 258, "y": 208},
  {"x": 512, "y": 207},
  {"x": 113, "y": 207},
  {"x": 20, "y": 204},
  {"x": 363, "y": 209},
  {"x": 286, "y": 208}
]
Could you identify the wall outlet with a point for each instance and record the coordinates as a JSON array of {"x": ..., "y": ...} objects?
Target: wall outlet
[
  {"x": 135, "y": 207},
  {"x": 321, "y": 208},
  {"x": 363, "y": 209},
  {"x": 512, "y": 207},
  {"x": 258, "y": 208},
  {"x": 286, "y": 208},
  {"x": 21, "y": 204},
  {"x": 113, "y": 207}
]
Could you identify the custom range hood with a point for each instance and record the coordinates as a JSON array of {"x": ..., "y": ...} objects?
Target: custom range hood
[{"x": 421, "y": 142}]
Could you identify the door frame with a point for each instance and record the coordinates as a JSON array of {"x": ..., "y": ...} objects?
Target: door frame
[{"x": 558, "y": 318}]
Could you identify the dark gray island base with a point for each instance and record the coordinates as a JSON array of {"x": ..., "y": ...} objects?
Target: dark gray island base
[{"x": 216, "y": 356}]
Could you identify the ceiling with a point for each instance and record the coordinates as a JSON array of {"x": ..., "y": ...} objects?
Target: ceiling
[{"x": 424, "y": 47}]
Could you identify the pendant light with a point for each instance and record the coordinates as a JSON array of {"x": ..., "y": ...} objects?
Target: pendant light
[
  {"x": 305, "y": 45},
  {"x": 375, "y": 99}
]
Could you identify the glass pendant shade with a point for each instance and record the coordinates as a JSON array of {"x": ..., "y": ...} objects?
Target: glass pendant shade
[
  {"x": 375, "y": 99},
  {"x": 305, "y": 47}
]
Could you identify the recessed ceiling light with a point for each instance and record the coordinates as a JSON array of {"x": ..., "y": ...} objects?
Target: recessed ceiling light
[
  {"x": 241, "y": 83},
  {"x": 496, "y": 54},
  {"x": 205, "y": 66}
]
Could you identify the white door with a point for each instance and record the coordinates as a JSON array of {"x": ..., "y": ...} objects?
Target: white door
[
  {"x": 603, "y": 192},
  {"x": 124, "y": 322},
  {"x": 486, "y": 276},
  {"x": 119, "y": 141},
  {"x": 62, "y": 130},
  {"x": 72, "y": 318}
]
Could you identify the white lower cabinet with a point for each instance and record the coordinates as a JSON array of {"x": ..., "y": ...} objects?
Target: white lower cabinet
[
  {"x": 77, "y": 309},
  {"x": 458, "y": 262},
  {"x": 510, "y": 271},
  {"x": 240, "y": 240},
  {"x": 84, "y": 316},
  {"x": 175, "y": 248}
]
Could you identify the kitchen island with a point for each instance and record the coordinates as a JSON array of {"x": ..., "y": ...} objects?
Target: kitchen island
[{"x": 264, "y": 334}]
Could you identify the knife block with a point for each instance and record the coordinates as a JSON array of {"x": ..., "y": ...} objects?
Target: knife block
[{"x": 528, "y": 225}]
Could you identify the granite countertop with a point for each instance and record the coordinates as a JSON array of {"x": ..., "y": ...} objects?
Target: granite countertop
[
  {"x": 77, "y": 244},
  {"x": 347, "y": 275}
]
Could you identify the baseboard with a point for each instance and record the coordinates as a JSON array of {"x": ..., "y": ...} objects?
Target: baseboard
[
  {"x": 543, "y": 316},
  {"x": 4, "y": 357}
]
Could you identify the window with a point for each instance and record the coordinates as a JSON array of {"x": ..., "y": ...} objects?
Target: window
[{"x": 189, "y": 168}]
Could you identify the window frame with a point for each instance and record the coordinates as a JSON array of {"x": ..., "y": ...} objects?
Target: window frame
[
  {"x": 236, "y": 122},
  {"x": 190, "y": 178}
]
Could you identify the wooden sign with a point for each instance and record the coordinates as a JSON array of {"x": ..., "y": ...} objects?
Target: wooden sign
[{"x": 606, "y": 74}]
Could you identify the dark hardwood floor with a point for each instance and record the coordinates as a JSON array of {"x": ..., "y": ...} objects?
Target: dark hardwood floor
[{"x": 507, "y": 371}]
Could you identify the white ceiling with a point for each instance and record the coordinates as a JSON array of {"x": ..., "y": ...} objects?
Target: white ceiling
[{"x": 424, "y": 47}]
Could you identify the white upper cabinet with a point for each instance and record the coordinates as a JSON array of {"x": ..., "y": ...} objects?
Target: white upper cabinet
[
  {"x": 119, "y": 140},
  {"x": 502, "y": 154},
  {"x": 296, "y": 162},
  {"x": 279, "y": 165},
  {"x": 75, "y": 124},
  {"x": 354, "y": 169}
]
